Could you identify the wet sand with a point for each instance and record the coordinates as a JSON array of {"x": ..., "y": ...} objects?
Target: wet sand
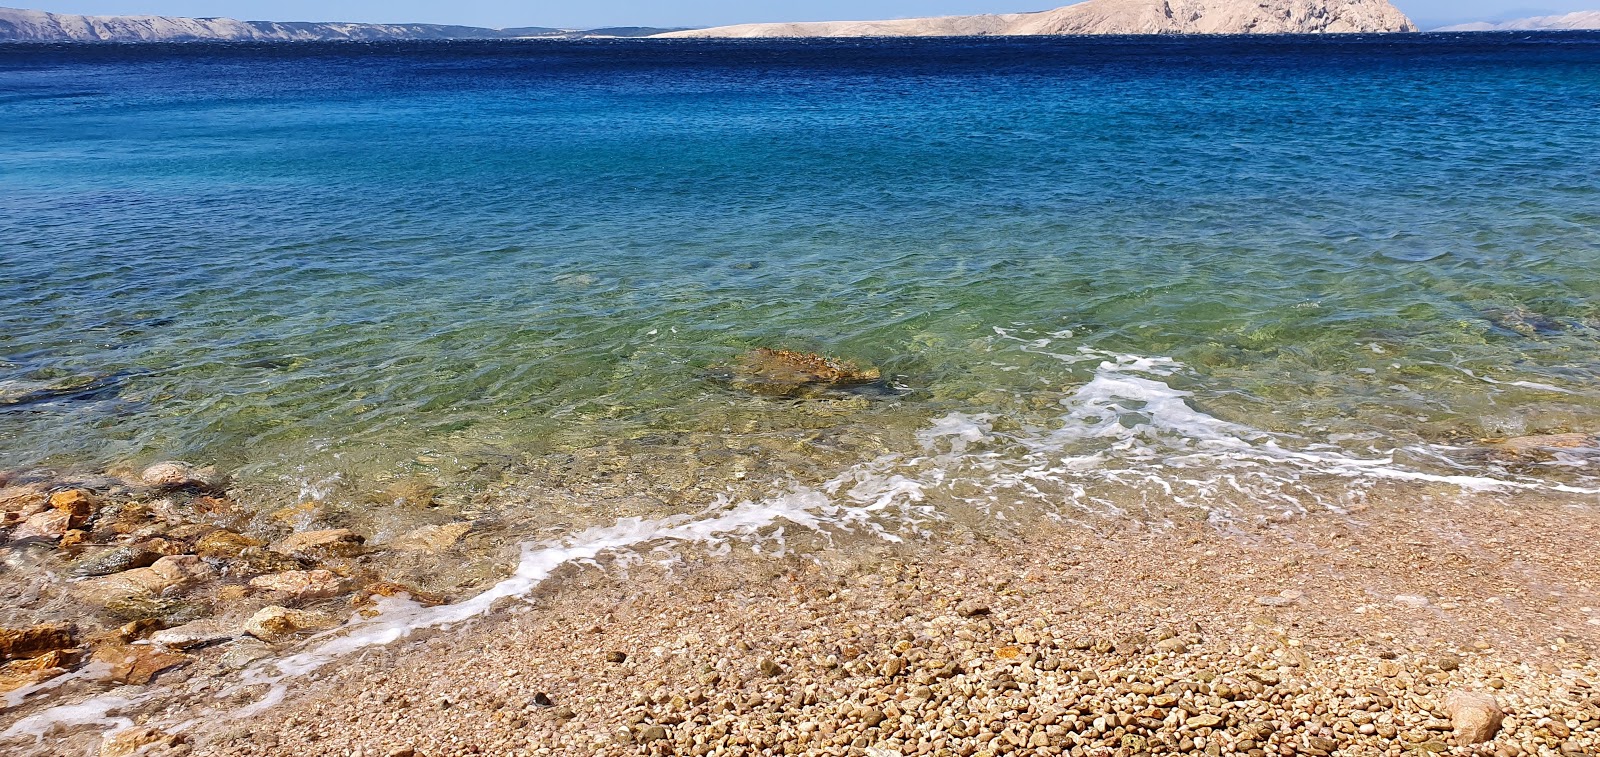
[{"x": 1329, "y": 634}]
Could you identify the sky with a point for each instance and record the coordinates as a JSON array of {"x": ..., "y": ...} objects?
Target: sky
[{"x": 595, "y": 13}]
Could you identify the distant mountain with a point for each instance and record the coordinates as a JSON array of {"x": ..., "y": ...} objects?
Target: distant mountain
[
  {"x": 1579, "y": 20},
  {"x": 39, "y": 26},
  {"x": 1114, "y": 17}
]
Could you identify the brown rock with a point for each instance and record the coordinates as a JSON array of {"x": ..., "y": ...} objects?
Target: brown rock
[
  {"x": 783, "y": 372},
  {"x": 1476, "y": 716},
  {"x": 78, "y": 504},
  {"x": 19, "y": 673},
  {"x": 432, "y": 538},
  {"x": 273, "y": 624},
  {"x": 397, "y": 589},
  {"x": 72, "y": 538},
  {"x": 23, "y": 643},
  {"x": 50, "y": 524},
  {"x": 972, "y": 608},
  {"x": 333, "y": 542},
  {"x": 135, "y": 664},
  {"x": 198, "y": 633},
  {"x": 1525, "y": 444},
  {"x": 143, "y": 740},
  {"x": 304, "y": 584},
  {"x": 180, "y": 475},
  {"x": 168, "y": 573},
  {"x": 771, "y": 668},
  {"x": 224, "y": 543}
]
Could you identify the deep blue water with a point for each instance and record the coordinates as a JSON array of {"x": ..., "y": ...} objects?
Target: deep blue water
[{"x": 240, "y": 253}]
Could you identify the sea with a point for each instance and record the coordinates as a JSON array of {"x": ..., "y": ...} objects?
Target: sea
[
  {"x": 1163, "y": 275},
  {"x": 1120, "y": 279}
]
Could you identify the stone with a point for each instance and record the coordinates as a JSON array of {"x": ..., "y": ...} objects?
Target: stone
[
  {"x": 1448, "y": 662},
  {"x": 1413, "y": 601},
  {"x": 972, "y": 608},
  {"x": 785, "y": 372},
  {"x": 1522, "y": 445},
  {"x": 78, "y": 504},
  {"x": 142, "y": 740},
  {"x": 166, "y": 574},
  {"x": 224, "y": 543},
  {"x": 432, "y": 538},
  {"x": 1172, "y": 646},
  {"x": 198, "y": 633},
  {"x": 653, "y": 733},
  {"x": 616, "y": 657},
  {"x": 274, "y": 624},
  {"x": 23, "y": 643},
  {"x": 173, "y": 475},
  {"x": 771, "y": 668},
  {"x": 21, "y": 673},
  {"x": 239, "y": 654},
  {"x": 135, "y": 664},
  {"x": 50, "y": 524},
  {"x": 1203, "y": 720},
  {"x": 397, "y": 589},
  {"x": 115, "y": 560},
  {"x": 333, "y": 542},
  {"x": 1476, "y": 716},
  {"x": 303, "y": 584}
]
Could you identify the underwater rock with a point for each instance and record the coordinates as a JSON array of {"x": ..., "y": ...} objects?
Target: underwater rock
[
  {"x": 786, "y": 373},
  {"x": 50, "y": 524},
  {"x": 304, "y": 584},
  {"x": 224, "y": 543},
  {"x": 18, "y": 393},
  {"x": 197, "y": 633},
  {"x": 19, "y": 673},
  {"x": 273, "y": 624},
  {"x": 333, "y": 542},
  {"x": 136, "y": 664},
  {"x": 173, "y": 475},
  {"x": 78, "y": 504},
  {"x": 168, "y": 573},
  {"x": 21, "y": 643},
  {"x": 1522, "y": 445},
  {"x": 432, "y": 538},
  {"x": 115, "y": 560},
  {"x": 144, "y": 740}
]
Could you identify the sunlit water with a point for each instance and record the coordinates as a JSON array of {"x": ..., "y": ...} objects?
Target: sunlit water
[
  {"x": 328, "y": 267},
  {"x": 1127, "y": 280}
]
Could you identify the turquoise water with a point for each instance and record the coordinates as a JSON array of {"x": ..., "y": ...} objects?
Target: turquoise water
[{"x": 327, "y": 267}]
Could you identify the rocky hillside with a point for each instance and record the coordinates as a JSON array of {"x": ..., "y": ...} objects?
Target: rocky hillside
[
  {"x": 39, "y": 26},
  {"x": 1579, "y": 20},
  {"x": 1115, "y": 17}
]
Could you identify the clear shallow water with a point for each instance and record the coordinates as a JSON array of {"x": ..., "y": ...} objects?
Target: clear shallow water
[{"x": 332, "y": 265}]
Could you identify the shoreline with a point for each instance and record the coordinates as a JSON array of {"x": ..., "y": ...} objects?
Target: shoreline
[{"x": 1419, "y": 594}]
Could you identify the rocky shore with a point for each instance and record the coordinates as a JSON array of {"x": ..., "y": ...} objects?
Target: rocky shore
[{"x": 1427, "y": 622}]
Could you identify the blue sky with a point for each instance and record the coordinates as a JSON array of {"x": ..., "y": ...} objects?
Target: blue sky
[{"x": 590, "y": 13}]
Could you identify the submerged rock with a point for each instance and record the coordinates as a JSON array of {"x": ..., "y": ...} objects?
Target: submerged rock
[
  {"x": 198, "y": 633},
  {"x": 432, "y": 538},
  {"x": 787, "y": 373},
  {"x": 174, "y": 475},
  {"x": 144, "y": 740},
  {"x": 78, "y": 504},
  {"x": 273, "y": 624},
  {"x": 136, "y": 664},
  {"x": 19, "y": 673},
  {"x": 304, "y": 584},
  {"x": 167, "y": 573},
  {"x": 21, "y": 643},
  {"x": 115, "y": 560},
  {"x": 333, "y": 542},
  {"x": 1522, "y": 445},
  {"x": 224, "y": 543}
]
